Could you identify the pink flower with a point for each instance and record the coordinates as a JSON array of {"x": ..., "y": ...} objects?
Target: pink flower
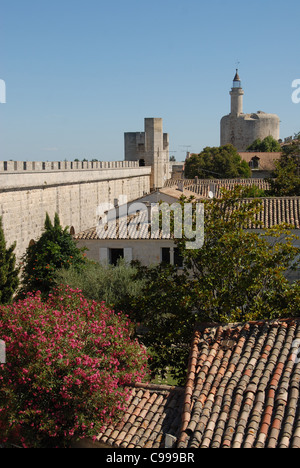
[{"x": 62, "y": 369}]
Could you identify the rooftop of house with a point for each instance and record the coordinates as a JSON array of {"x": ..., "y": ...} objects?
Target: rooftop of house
[
  {"x": 274, "y": 211},
  {"x": 152, "y": 419},
  {"x": 242, "y": 391},
  {"x": 242, "y": 387}
]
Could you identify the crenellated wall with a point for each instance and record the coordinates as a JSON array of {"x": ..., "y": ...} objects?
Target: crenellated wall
[{"x": 72, "y": 189}]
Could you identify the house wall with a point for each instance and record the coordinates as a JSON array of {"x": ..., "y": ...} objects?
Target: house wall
[{"x": 148, "y": 252}]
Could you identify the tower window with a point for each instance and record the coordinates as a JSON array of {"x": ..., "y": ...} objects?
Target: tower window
[{"x": 142, "y": 162}]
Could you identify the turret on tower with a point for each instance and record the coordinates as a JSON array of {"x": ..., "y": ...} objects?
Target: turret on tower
[{"x": 236, "y": 94}]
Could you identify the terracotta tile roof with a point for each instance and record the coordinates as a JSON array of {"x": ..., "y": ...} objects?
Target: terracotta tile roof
[
  {"x": 274, "y": 211},
  {"x": 175, "y": 192},
  {"x": 153, "y": 411},
  {"x": 202, "y": 187},
  {"x": 242, "y": 387},
  {"x": 279, "y": 210},
  {"x": 130, "y": 227}
]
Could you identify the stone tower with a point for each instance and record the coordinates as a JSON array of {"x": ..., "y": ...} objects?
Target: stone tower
[
  {"x": 240, "y": 129},
  {"x": 150, "y": 148},
  {"x": 236, "y": 94}
]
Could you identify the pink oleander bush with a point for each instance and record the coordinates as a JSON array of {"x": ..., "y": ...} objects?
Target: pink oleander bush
[{"x": 67, "y": 362}]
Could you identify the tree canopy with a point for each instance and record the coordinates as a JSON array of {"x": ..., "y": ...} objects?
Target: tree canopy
[
  {"x": 267, "y": 145},
  {"x": 109, "y": 283},
  {"x": 237, "y": 275},
  {"x": 54, "y": 250},
  {"x": 222, "y": 162},
  {"x": 285, "y": 179}
]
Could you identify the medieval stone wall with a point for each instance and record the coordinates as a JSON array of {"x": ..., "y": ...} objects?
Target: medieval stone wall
[{"x": 73, "y": 190}]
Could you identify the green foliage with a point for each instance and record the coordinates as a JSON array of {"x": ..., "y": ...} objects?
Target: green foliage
[
  {"x": 222, "y": 162},
  {"x": 253, "y": 192},
  {"x": 108, "y": 283},
  {"x": 237, "y": 275},
  {"x": 267, "y": 145},
  {"x": 55, "y": 249},
  {"x": 164, "y": 310},
  {"x": 9, "y": 273},
  {"x": 285, "y": 179},
  {"x": 297, "y": 136}
]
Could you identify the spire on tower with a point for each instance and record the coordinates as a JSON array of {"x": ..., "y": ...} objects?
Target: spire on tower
[{"x": 236, "y": 80}]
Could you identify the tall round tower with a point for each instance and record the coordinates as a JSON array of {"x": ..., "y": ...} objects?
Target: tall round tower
[{"x": 240, "y": 129}]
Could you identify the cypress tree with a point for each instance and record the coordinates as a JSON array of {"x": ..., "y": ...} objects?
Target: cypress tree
[
  {"x": 9, "y": 273},
  {"x": 55, "y": 249}
]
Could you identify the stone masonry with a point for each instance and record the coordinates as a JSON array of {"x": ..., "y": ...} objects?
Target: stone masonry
[
  {"x": 74, "y": 190},
  {"x": 150, "y": 148}
]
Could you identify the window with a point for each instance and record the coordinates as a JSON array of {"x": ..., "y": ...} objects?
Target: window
[
  {"x": 178, "y": 258},
  {"x": 142, "y": 162},
  {"x": 166, "y": 255},
  {"x": 254, "y": 163},
  {"x": 171, "y": 256},
  {"x": 115, "y": 255}
]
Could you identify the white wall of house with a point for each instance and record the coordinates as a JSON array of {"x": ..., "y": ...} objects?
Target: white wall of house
[{"x": 147, "y": 251}]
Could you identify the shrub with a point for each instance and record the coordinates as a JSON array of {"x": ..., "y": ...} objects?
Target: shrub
[
  {"x": 109, "y": 283},
  {"x": 67, "y": 362}
]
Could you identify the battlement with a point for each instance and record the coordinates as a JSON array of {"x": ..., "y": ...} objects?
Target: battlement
[
  {"x": 74, "y": 190},
  {"x": 29, "y": 175},
  {"x": 63, "y": 166}
]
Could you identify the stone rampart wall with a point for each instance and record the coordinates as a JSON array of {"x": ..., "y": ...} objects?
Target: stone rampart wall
[{"x": 28, "y": 192}]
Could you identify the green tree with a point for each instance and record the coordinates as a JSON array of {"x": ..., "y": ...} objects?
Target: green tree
[
  {"x": 285, "y": 179},
  {"x": 9, "y": 273},
  {"x": 253, "y": 191},
  {"x": 267, "y": 145},
  {"x": 222, "y": 162},
  {"x": 297, "y": 136},
  {"x": 237, "y": 275},
  {"x": 109, "y": 283},
  {"x": 55, "y": 249}
]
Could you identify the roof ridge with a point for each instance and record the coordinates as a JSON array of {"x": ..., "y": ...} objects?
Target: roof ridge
[{"x": 153, "y": 386}]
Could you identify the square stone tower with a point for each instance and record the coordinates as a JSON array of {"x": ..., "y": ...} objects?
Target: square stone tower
[{"x": 150, "y": 148}]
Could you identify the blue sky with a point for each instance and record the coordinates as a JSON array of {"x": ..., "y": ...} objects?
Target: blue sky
[{"x": 79, "y": 74}]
